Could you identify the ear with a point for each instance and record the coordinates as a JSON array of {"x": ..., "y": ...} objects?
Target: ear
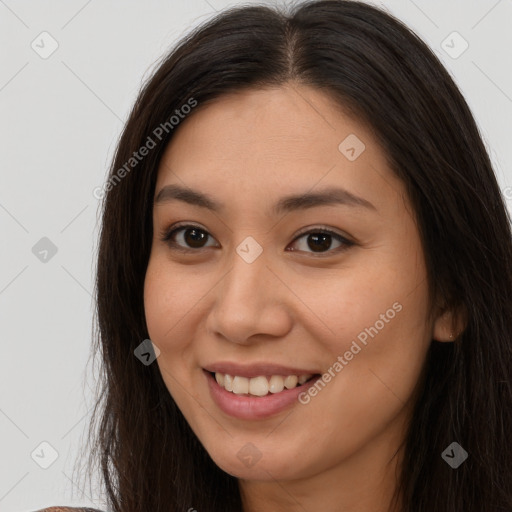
[{"x": 449, "y": 324}]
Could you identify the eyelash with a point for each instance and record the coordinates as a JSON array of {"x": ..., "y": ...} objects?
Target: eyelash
[{"x": 168, "y": 233}]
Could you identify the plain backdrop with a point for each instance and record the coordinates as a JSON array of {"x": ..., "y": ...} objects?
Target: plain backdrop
[{"x": 60, "y": 117}]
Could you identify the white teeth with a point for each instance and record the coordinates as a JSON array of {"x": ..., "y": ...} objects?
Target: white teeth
[
  {"x": 290, "y": 381},
  {"x": 240, "y": 385},
  {"x": 228, "y": 382},
  {"x": 303, "y": 378},
  {"x": 259, "y": 386},
  {"x": 276, "y": 384}
]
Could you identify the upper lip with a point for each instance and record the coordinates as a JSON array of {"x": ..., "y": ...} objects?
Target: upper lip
[{"x": 256, "y": 369}]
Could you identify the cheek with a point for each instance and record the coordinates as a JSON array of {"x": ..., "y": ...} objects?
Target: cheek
[
  {"x": 168, "y": 297},
  {"x": 384, "y": 299},
  {"x": 157, "y": 303},
  {"x": 376, "y": 337},
  {"x": 165, "y": 306},
  {"x": 373, "y": 369},
  {"x": 172, "y": 305}
]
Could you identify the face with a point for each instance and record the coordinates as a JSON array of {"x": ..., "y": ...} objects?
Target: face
[{"x": 328, "y": 288}]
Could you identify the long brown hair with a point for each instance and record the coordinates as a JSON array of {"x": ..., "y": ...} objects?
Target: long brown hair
[{"x": 375, "y": 67}]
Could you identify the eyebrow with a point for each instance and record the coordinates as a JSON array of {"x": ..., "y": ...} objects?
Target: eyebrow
[{"x": 325, "y": 197}]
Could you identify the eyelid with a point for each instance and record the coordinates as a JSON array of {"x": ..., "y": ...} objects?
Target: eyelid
[
  {"x": 322, "y": 228},
  {"x": 347, "y": 241},
  {"x": 168, "y": 232}
]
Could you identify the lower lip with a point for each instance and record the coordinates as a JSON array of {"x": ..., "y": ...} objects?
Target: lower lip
[{"x": 253, "y": 408}]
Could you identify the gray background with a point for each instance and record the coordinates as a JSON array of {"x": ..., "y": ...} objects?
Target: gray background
[{"x": 59, "y": 121}]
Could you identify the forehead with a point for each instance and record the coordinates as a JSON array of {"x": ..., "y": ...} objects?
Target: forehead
[{"x": 292, "y": 138}]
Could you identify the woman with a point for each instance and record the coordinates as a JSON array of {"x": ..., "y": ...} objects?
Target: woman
[{"x": 302, "y": 218}]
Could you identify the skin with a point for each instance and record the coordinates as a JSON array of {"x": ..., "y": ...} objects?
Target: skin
[{"x": 301, "y": 308}]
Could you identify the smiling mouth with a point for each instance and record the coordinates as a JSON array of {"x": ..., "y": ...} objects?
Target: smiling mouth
[{"x": 262, "y": 385}]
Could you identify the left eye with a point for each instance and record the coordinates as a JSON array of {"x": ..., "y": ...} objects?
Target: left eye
[
  {"x": 193, "y": 237},
  {"x": 319, "y": 239}
]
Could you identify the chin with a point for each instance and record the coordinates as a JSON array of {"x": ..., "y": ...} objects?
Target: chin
[{"x": 247, "y": 464}]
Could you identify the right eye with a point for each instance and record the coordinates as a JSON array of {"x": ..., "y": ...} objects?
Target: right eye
[{"x": 188, "y": 234}]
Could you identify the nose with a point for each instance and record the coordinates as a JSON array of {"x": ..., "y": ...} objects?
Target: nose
[{"x": 250, "y": 303}]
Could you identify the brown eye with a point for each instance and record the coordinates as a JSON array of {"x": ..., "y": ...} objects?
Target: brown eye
[
  {"x": 191, "y": 238},
  {"x": 187, "y": 237},
  {"x": 321, "y": 240}
]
